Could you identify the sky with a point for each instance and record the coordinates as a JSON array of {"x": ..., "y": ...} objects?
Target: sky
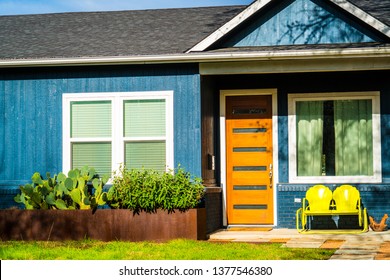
[{"x": 18, "y": 7}]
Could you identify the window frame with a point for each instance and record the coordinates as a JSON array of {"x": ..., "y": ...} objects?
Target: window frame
[
  {"x": 117, "y": 139},
  {"x": 374, "y": 96}
]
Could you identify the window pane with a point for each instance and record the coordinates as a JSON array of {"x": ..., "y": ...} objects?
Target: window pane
[
  {"x": 144, "y": 118},
  {"x": 91, "y": 119},
  {"x": 334, "y": 138},
  {"x": 149, "y": 155},
  {"x": 96, "y": 155},
  {"x": 353, "y": 137},
  {"x": 309, "y": 138}
]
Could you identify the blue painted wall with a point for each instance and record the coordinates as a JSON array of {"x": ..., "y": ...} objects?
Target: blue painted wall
[
  {"x": 31, "y": 113},
  {"x": 375, "y": 197},
  {"x": 295, "y": 22},
  {"x": 316, "y": 83},
  {"x": 31, "y": 119}
]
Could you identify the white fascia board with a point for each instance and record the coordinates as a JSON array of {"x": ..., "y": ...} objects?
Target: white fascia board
[
  {"x": 362, "y": 15},
  {"x": 229, "y": 26},
  {"x": 203, "y": 57}
]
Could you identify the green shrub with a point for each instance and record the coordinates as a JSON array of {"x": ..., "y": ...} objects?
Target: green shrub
[
  {"x": 79, "y": 190},
  {"x": 149, "y": 190}
]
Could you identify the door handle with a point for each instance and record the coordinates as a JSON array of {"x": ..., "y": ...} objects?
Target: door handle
[{"x": 270, "y": 175}]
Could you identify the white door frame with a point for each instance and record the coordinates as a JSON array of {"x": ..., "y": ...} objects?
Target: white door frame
[{"x": 222, "y": 118}]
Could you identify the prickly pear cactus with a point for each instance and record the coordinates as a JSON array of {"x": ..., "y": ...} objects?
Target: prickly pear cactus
[{"x": 79, "y": 190}]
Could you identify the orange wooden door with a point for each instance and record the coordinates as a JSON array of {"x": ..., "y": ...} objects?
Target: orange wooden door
[{"x": 249, "y": 159}]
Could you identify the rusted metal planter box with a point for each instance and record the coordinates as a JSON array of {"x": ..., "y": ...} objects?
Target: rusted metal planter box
[{"x": 104, "y": 224}]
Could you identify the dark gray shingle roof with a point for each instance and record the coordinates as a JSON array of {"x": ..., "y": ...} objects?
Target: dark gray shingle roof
[
  {"x": 380, "y": 9},
  {"x": 123, "y": 33}
]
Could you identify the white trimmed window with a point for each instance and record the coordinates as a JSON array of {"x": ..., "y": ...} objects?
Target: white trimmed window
[
  {"x": 105, "y": 130},
  {"x": 334, "y": 138}
]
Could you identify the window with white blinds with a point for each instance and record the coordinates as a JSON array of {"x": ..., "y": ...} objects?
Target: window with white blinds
[
  {"x": 145, "y": 133},
  {"x": 105, "y": 130},
  {"x": 143, "y": 118},
  {"x": 91, "y": 119}
]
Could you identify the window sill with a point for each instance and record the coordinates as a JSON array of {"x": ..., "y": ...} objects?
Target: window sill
[{"x": 335, "y": 179}]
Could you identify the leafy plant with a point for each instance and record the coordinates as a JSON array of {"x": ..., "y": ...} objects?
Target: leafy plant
[
  {"x": 81, "y": 189},
  {"x": 148, "y": 190}
]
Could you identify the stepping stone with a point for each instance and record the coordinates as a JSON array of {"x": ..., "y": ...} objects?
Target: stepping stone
[
  {"x": 373, "y": 247},
  {"x": 280, "y": 240},
  {"x": 355, "y": 252},
  {"x": 384, "y": 251},
  {"x": 353, "y": 257},
  {"x": 299, "y": 243},
  {"x": 332, "y": 244}
]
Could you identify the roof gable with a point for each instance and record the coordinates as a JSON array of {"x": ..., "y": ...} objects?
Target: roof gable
[{"x": 298, "y": 22}]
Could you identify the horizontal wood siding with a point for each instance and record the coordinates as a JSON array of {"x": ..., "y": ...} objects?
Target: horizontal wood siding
[{"x": 31, "y": 112}]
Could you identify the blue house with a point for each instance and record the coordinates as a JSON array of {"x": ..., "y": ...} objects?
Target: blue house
[{"x": 261, "y": 101}]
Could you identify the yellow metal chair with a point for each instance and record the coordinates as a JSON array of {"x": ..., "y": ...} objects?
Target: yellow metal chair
[
  {"x": 348, "y": 202},
  {"x": 317, "y": 201}
]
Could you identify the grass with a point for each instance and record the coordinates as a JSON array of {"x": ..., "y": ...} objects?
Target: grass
[{"x": 174, "y": 250}]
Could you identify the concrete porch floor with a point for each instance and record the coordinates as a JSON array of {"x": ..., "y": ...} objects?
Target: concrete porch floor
[{"x": 364, "y": 246}]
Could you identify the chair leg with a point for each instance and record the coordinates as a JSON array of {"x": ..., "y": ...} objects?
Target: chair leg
[
  {"x": 365, "y": 220},
  {"x": 298, "y": 217},
  {"x": 301, "y": 219}
]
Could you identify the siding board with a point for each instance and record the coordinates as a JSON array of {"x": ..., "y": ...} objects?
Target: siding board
[
  {"x": 31, "y": 112},
  {"x": 301, "y": 22},
  {"x": 2, "y": 128}
]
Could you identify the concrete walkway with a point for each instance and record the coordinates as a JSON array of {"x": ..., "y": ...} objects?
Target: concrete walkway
[{"x": 365, "y": 246}]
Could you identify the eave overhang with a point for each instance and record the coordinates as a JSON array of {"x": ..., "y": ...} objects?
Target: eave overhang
[{"x": 374, "y": 58}]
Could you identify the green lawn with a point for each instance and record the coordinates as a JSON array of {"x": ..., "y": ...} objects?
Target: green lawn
[{"x": 173, "y": 250}]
